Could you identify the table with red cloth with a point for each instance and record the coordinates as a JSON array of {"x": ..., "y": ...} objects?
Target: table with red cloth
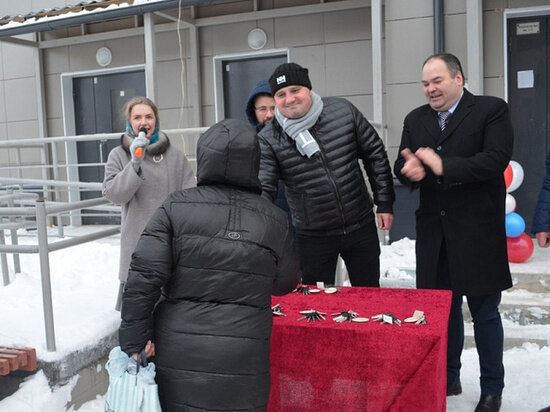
[{"x": 328, "y": 366}]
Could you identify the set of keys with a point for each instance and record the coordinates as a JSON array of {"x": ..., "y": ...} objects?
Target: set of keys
[
  {"x": 306, "y": 290},
  {"x": 277, "y": 310},
  {"x": 387, "y": 318},
  {"x": 417, "y": 318},
  {"x": 312, "y": 315},
  {"x": 348, "y": 316}
]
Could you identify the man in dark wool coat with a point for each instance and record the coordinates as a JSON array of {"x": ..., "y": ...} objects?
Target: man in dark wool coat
[
  {"x": 214, "y": 255},
  {"x": 455, "y": 150}
]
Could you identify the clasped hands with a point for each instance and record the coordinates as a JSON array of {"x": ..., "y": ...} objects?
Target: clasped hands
[{"x": 414, "y": 163}]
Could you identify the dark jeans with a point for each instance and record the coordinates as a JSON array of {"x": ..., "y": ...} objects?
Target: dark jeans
[
  {"x": 488, "y": 333},
  {"x": 360, "y": 251}
]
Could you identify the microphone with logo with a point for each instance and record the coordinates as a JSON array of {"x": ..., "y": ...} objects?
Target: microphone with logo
[{"x": 139, "y": 150}]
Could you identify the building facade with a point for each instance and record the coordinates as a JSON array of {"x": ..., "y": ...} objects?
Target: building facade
[{"x": 196, "y": 61}]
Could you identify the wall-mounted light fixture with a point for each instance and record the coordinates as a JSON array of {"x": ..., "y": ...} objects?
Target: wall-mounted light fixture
[
  {"x": 103, "y": 56},
  {"x": 257, "y": 39}
]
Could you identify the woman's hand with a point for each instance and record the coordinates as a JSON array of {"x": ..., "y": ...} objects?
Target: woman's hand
[{"x": 149, "y": 350}]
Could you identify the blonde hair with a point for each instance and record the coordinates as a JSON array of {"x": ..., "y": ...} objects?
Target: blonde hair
[{"x": 139, "y": 100}]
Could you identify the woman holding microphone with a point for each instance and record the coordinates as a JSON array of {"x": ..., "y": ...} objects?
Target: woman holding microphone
[{"x": 140, "y": 173}]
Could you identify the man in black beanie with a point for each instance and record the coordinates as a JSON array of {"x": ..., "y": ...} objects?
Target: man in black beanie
[{"x": 314, "y": 146}]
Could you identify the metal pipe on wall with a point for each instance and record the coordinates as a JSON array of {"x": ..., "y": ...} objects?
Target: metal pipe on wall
[{"x": 439, "y": 32}]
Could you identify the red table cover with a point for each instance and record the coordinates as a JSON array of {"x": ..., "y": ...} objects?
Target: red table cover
[{"x": 328, "y": 366}]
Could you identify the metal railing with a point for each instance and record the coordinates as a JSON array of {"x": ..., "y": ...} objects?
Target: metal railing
[
  {"x": 40, "y": 211},
  {"x": 22, "y": 207},
  {"x": 51, "y": 165}
]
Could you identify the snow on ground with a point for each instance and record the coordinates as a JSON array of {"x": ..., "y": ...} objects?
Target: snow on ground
[{"x": 84, "y": 282}]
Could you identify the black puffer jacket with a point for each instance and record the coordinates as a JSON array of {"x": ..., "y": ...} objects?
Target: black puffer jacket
[
  {"x": 217, "y": 252},
  {"x": 327, "y": 193}
]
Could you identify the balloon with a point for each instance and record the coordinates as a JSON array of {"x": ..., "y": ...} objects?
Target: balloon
[
  {"x": 515, "y": 225},
  {"x": 519, "y": 248},
  {"x": 508, "y": 174},
  {"x": 517, "y": 176},
  {"x": 510, "y": 203}
]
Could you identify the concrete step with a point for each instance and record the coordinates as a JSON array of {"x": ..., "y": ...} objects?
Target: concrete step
[
  {"x": 532, "y": 282},
  {"x": 525, "y": 317},
  {"x": 514, "y": 335},
  {"x": 521, "y": 307}
]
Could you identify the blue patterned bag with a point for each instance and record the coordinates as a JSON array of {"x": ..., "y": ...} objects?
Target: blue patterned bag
[{"x": 132, "y": 387}]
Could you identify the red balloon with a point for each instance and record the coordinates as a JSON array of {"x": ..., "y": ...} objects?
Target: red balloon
[
  {"x": 519, "y": 248},
  {"x": 508, "y": 175}
]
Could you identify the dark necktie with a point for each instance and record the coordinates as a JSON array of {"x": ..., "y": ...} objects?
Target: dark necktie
[{"x": 444, "y": 119}]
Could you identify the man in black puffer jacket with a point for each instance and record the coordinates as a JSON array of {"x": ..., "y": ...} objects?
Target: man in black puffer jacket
[
  {"x": 314, "y": 146},
  {"x": 216, "y": 253}
]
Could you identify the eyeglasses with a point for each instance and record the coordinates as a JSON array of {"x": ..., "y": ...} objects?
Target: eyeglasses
[{"x": 265, "y": 109}]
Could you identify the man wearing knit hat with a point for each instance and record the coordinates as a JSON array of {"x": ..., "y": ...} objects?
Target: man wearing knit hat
[{"x": 314, "y": 146}]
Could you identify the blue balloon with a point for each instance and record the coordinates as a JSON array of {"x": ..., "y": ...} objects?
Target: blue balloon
[{"x": 515, "y": 225}]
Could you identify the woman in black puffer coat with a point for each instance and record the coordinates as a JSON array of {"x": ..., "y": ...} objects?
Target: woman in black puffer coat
[{"x": 214, "y": 255}]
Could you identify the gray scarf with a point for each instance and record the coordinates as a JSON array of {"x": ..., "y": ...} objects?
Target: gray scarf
[{"x": 297, "y": 129}]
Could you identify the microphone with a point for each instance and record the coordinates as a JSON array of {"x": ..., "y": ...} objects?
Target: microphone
[{"x": 139, "y": 151}]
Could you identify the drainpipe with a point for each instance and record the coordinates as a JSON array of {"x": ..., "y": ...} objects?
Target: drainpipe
[{"x": 439, "y": 34}]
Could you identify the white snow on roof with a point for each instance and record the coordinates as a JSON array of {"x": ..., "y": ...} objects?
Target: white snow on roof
[{"x": 68, "y": 15}]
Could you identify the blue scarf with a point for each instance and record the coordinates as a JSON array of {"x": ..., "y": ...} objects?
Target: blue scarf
[{"x": 154, "y": 137}]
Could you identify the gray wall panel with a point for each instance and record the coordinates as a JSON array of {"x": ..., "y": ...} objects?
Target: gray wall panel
[
  {"x": 126, "y": 51},
  {"x": 17, "y": 61},
  {"x": 347, "y": 25},
  {"x": 231, "y": 38},
  {"x": 299, "y": 31},
  {"x": 53, "y": 96},
  {"x": 493, "y": 46},
  {"x": 408, "y": 9},
  {"x": 56, "y": 60},
  {"x": 400, "y": 100},
  {"x": 314, "y": 59},
  {"x": 2, "y": 103},
  {"x": 407, "y": 48},
  {"x": 349, "y": 68},
  {"x": 20, "y": 98}
]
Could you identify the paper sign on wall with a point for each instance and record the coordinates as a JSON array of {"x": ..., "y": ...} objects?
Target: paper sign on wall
[
  {"x": 528, "y": 28},
  {"x": 526, "y": 79}
]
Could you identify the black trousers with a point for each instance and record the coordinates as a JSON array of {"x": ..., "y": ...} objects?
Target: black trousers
[
  {"x": 360, "y": 251},
  {"x": 488, "y": 333}
]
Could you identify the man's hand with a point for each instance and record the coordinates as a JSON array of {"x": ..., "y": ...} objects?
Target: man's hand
[
  {"x": 431, "y": 159},
  {"x": 543, "y": 239},
  {"x": 413, "y": 168},
  {"x": 385, "y": 220}
]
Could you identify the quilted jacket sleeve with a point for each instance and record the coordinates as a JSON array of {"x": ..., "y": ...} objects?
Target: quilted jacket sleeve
[
  {"x": 150, "y": 269},
  {"x": 376, "y": 163}
]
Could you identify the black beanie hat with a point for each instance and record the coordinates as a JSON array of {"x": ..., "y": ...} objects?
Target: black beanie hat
[{"x": 289, "y": 74}]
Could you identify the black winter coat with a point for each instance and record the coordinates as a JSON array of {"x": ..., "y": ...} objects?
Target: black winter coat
[
  {"x": 214, "y": 255},
  {"x": 541, "y": 219},
  {"x": 465, "y": 207},
  {"x": 327, "y": 193}
]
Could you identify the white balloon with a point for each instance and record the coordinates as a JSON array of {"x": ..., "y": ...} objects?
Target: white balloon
[
  {"x": 510, "y": 203},
  {"x": 517, "y": 176}
]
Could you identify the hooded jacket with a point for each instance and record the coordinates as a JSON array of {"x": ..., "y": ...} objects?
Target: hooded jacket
[
  {"x": 214, "y": 255},
  {"x": 262, "y": 87}
]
